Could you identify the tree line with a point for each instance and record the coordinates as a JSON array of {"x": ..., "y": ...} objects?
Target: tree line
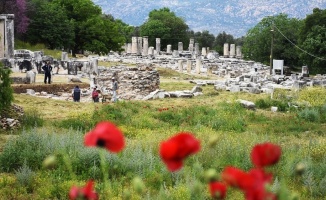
[{"x": 79, "y": 25}]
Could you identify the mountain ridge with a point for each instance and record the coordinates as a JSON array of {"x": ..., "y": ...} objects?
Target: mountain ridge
[{"x": 235, "y": 17}]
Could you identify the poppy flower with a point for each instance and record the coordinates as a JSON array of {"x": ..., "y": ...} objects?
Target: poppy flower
[
  {"x": 257, "y": 190},
  {"x": 217, "y": 190},
  {"x": 237, "y": 178},
  {"x": 265, "y": 154},
  {"x": 86, "y": 192},
  {"x": 106, "y": 135},
  {"x": 177, "y": 148}
]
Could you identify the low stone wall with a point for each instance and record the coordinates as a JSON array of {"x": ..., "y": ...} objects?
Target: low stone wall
[{"x": 134, "y": 82}]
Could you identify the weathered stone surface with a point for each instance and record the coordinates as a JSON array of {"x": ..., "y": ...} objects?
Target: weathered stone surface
[{"x": 247, "y": 104}]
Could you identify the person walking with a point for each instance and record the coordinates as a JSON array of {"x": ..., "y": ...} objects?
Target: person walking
[
  {"x": 114, "y": 89},
  {"x": 76, "y": 94},
  {"x": 47, "y": 68}
]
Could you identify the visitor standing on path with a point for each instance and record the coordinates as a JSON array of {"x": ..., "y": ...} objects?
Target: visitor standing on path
[
  {"x": 114, "y": 89},
  {"x": 76, "y": 94},
  {"x": 95, "y": 95},
  {"x": 47, "y": 68}
]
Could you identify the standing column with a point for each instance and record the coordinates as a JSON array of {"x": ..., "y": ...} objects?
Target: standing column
[
  {"x": 239, "y": 53},
  {"x": 198, "y": 65},
  {"x": 180, "y": 47},
  {"x": 129, "y": 48},
  {"x": 169, "y": 49},
  {"x": 189, "y": 64},
  {"x": 180, "y": 62},
  {"x": 191, "y": 44},
  {"x": 139, "y": 45},
  {"x": 226, "y": 50},
  {"x": 203, "y": 51},
  {"x": 134, "y": 47},
  {"x": 145, "y": 46},
  {"x": 232, "y": 50},
  {"x": 196, "y": 49},
  {"x": 158, "y": 45}
]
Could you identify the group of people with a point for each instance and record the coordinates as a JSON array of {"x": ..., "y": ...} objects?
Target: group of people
[
  {"x": 95, "y": 93},
  {"x": 47, "y": 68}
]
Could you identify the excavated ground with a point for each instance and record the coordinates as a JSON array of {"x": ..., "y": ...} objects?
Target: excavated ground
[{"x": 49, "y": 88}]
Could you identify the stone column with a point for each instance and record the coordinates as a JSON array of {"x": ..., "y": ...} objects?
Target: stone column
[
  {"x": 232, "y": 50},
  {"x": 180, "y": 47},
  {"x": 196, "y": 49},
  {"x": 151, "y": 51},
  {"x": 238, "y": 52},
  {"x": 7, "y": 36},
  {"x": 134, "y": 47},
  {"x": 139, "y": 45},
  {"x": 169, "y": 49},
  {"x": 64, "y": 56},
  {"x": 191, "y": 44},
  {"x": 203, "y": 51},
  {"x": 198, "y": 65},
  {"x": 158, "y": 45},
  {"x": 145, "y": 46},
  {"x": 180, "y": 62},
  {"x": 189, "y": 64},
  {"x": 129, "y": 48},
  {"x": 226, "y": 50}
]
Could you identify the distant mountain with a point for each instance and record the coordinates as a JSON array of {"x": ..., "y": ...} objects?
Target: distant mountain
[{"x": 235, "y": 17}]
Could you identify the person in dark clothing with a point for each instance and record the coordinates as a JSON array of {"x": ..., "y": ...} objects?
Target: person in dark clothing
[
  {"x": 76, "y": 94},
  {"x": 47, "y": 68}
]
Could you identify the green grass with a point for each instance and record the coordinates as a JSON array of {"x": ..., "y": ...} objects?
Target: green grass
[{"x": 57, "y": 128}]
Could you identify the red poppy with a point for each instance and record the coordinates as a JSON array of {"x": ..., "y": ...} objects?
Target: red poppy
[
  {"x": 86, "y": 192},
  {"x": 177, "y": 148},
  {"x": 217, "y": 190},
  {"x": 257, "y": 190},
  {"x": 105, "y": 135},
  {"x": 237, "y": 178},
  {"x": 265, "y": 154}
]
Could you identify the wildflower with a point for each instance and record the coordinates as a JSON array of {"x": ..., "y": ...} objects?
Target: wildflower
[
  {"x": 86, "y": 192},
  {"x": 105, "y": 135},
  {"x": 177, "y": 148},
  {"x": 257, "y": 189},
  {"x": 236, "y": 178},
  {"x": 217, "y": 190},
  {"x": 265, "y": 154}
]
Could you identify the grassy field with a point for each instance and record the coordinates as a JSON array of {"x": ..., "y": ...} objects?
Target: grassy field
[{"x": 53, "y": 127}]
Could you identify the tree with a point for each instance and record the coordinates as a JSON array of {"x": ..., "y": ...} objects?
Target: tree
[
  {"x": 19, "y": 9},
  {"x": 313, "y": 40},
  {"x": 6, "y": 91},
  {"x": 257, "y": 44},
  {"x": 166, "y": 25},
  {"x": 221, "y": 39},
  {"x": 50, "y": 25},
  {"x": 204, "y": 38}
]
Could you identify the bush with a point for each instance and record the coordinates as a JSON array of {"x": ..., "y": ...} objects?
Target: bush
[
  {"x": 6, "y": 91},
  {"x": 31, "y": 118},
  {"x": 309, "y": 114},
  {"x": 282, "y": 105}
]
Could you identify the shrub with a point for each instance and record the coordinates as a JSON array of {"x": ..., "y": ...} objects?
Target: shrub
[
  {"x": 267, "y": 103},
  {"x": 6, "y": 91},
  {"x": 309, "y": 114},
  {"x": 31, "y": 118}
]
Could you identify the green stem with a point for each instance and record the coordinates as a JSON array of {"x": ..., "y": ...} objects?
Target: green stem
[
  {"x": 104, "y": 167},
  {"x": 68, "y": 164}
]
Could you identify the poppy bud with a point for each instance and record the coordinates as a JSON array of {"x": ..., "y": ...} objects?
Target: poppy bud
[
  {"x": 50, "y": 162},
  {"x": 210, "y": 175},
  {"x": 212, "y": 141},
  {"x": 300, "y": 168},
  {"x": 138, "y": 185}
]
